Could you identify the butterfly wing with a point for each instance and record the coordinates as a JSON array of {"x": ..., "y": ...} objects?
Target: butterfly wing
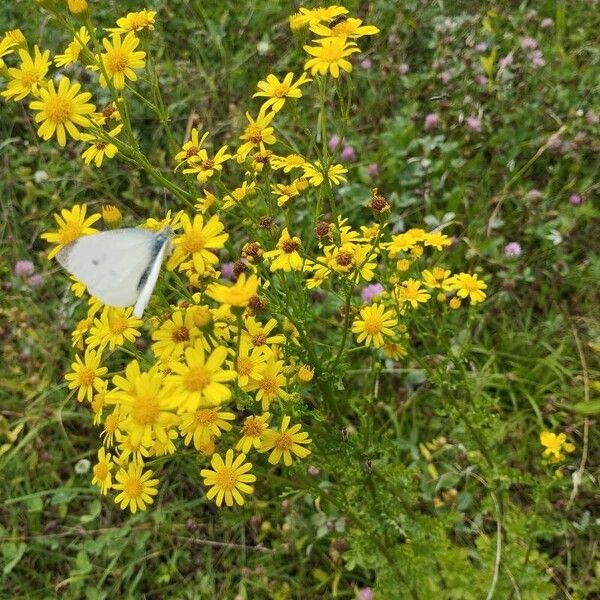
[
  {"x": 147, "y": 286},
  {"x": 112, "y": 263}
]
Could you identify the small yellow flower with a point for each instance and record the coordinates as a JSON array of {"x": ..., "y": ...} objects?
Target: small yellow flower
[
  {"x": 135, "y": 21},
  {"x": 410, "y": 292},
  {"x": 28, "y": 78},
  {"x": 249, "y": 365},
  {"x": 261, "y": 336},
  {"x": 86, "y": 375},
  {"x": 61, "y": 110},
  {"x": 8, "y": 45},
  {"x": 277, "y": 91},
  {"x": 114, "y": 327},
  {"x": 455, "y": 303},
  {"x": 137, "y": 487},
  {"x": 253, "y": 430},
  {"x": 204, "y": 167},
  {"x": 228, "y": 478},
  {"x": 110, "y": 111},
  {"x": 111, "y": 216},
  {"x": 77, "y": 7},
  {"x": 73, "y": 50},
  {"x": 175, "y": 335},
  {"x": 238, "y": 294},
  {"x": 258, "y": 132},
  {"x": 200, "y": 381},
  {"x": 99, "y": 147},
  {"x": 286, "y": 442},
  {"x": 468, "y": 286},
  {"x": 284, "y": 192},
  {"x": 305, "y": 373},
  {"x": 192, "y": 147},
  {"x": 197, "y": 240},
  {"x": 554, "y": 445},
  {"x": 270, "y": 383},
  {"x": 348, "y": 28},
  {"x": 286, "y": 255},
  {"x": 204, "y": 425},
  {"x": 374, "y": 323},
  {"x": 72, "y": 224},
  {"x": 238, "y": 194},
  {"x": 316, "y": 174},
  {"x": 437, "y": 239},
  {"x": 314, "y": 16},
  {"x": 437, "y": 278},
  {"x": 102, "y": 471},
  {"x": 289, "y": 162},
  {"x": 330, "y": 56},
  {"x": 120, "y": 59}
]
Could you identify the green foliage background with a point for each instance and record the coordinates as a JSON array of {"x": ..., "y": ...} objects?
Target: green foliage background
[{"x": 368, "y": 518}]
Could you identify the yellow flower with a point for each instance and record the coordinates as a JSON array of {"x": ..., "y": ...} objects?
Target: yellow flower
[
  {"x": 289, "y": 162},
  {"x": 102, "y": 471},
  {"x": 410, "y": 292},
  {"x": 437, "y": 239},
  {"x": 192, "y": 147},
  {"x": 405, "y": 242},
  {"x": 259, "y": 160},
  {"x": 175, "y": 335},
  {"x": 284, "y": 192},
  {"x": 257, "y": 133},
  {"x": 77, "y": 7},
  {"x": 120, "y": 59},
  {"x": 86, "y": 375},
  {"x": 347, "y": 28},
  {"x": 286, "y": 442},
  {"x": 249, "y": 365},
  {"x": 270, "y": 383},
  {"x": 394, "y": 350},
  {"x": 277, "y": 91},
  {"x": 316, "y": 174},
  {"x": 197, "y": 240},
  {"x": 72, "y": 224},
  {"x": 203, "y": 204},
  {"x": 111, "y": 216},
  {"x": 554, "y": 445},
  {"x": 240, "y": 193},
  {"x": 199, "y": 382},
  {"x": 467, "y": 285},
  {"x": 112, "y": 426},
  {"x": 132, "y": 450},
  {"x": 99, "y": 402},
  {"x": 261, "y": 336},
  {"x": 330, "y": 56},
  {"x": 228, "y": 478},
  {"x": 204, "y": 425},
  {"x": 286, "y": 255},
  {"x": 114, "y": 327},
  {"x": 313, "y": 16},
  {"x": 62, "y": 110},
  {"x": 8, "y": 44},
  {"x": 99, "y": 147},
  {"x": 253, "y": 430},
  {"x": 172, "y": 221},
  {"x": 205, "y": 167},
  {"x": 135, "y": 21},
  {"x": 146, "y": 403},
  {"x": 136, "y": 487},
  {"x": 305, "y": 373},
  {"x": 110, "y": 111},
  {"x": 28, "y": 78},
  {"x": 73, "y": 50},
  {"x": 374, "y": 323},
  {"x": 454, "y": 303},
  {"x": 237, "y": 294},
  {"x": 438, "y": 277},
  {"x": 165, "y": 448}
]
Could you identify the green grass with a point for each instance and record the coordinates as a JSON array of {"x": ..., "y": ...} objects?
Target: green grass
[{"x": 529, "y": 365}]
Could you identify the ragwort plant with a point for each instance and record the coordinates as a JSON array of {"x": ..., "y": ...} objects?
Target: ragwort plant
[{"x": 251, "y": 361}]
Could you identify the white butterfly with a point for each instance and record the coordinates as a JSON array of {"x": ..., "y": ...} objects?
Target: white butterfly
[{"x": 121, "y": 266}]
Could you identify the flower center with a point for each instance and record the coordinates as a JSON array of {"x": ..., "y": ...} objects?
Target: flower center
[
  {"x": 117, "y": 325},
  {"x": 87, "y": 376},
  {"x": 197, "y": 378},
  {"x": 194, "y": 241},
  {"x": 269, "y": 385},
  {"x": 30, "y": 76},
  {"x": 100, "y": 145},
  {"x": 244, "y": 365},
  {"x": 284, "y": 441},
  {"x": 259, "y": 339},
  {"x": 59, "y": 109},
  {"x": 331, "y": 54},
  {"x": 191, "y": 151},
  {"x": 254, "y": 133},
  {"x": 290, "y": 246},
  {"x": 344, "y": 258},
  {"x": 117, "y": 60},
  {"x": 253, "y": 427},
  {"x": 133, "y": 487},
  {"x": 208, "y": 164},
  {"x": 146, "y": 409},
  {"x": 69, "y": 232},
  {"x": 373, "y": 325},
  {"x": 281, "y": 91},
  {"x": 112, "y": 423},
  {"x": 226, "y": 478},
  {"x": 101, "y": 471},
  {"x": 181, "y": 334},
  {"x": 205, "y": 416}
]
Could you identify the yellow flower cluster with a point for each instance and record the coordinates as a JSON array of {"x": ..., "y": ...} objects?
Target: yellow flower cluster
[{"x": 555, "y": 446}]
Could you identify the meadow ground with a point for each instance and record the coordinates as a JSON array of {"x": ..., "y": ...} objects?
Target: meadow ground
[{"x": 428, "y": 476}]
